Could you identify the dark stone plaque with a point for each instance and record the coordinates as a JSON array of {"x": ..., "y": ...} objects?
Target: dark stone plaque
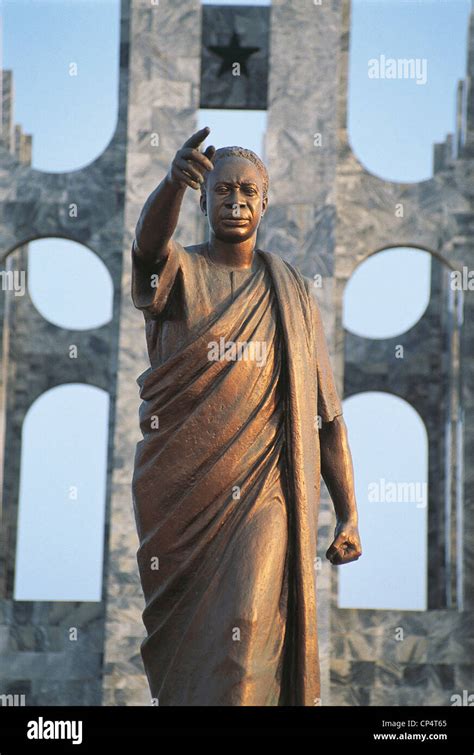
[{"x": 234, "y": 57}]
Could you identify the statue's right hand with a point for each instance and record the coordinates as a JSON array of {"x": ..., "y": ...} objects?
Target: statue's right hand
[{"x": 190, "y": 164}]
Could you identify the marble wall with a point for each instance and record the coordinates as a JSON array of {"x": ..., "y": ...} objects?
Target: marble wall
[
  {"x": 40, "y": 656},
  {"x": 412, "y": 657}
]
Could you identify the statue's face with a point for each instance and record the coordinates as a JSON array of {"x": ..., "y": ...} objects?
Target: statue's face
[{"x": 233, "y": 200}]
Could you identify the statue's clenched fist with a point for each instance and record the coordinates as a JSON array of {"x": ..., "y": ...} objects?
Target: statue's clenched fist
[{"x": 346, "y": 545}]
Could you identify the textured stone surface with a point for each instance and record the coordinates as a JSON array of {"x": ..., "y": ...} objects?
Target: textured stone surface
[
  {"x": 420, "y": 669},
  {"x": 35, "y": 358}
]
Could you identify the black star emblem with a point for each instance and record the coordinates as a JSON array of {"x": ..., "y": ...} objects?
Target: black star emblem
[{"x": 233, "y": 53}]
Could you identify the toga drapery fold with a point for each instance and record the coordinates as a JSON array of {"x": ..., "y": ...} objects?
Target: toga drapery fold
[{"x": 226, "y": 488}]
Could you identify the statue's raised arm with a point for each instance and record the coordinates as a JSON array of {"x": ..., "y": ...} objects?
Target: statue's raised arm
[{"x": 159, "y": 216}]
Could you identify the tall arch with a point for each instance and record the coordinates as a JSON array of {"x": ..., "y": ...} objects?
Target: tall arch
[
  {"x": 61, "y": 513},
  {"x": 392, "y": 499}
]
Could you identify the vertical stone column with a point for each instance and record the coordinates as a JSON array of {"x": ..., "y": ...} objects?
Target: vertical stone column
[
  {"x": 163, "y": 100},
  {"x": 301, "y": 157}
]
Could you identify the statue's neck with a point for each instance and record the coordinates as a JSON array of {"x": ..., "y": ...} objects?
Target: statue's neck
[{"x": 233, "y": 255}]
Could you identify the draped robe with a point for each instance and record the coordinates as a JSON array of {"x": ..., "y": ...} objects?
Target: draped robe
[{"x": 227, "y": 477}]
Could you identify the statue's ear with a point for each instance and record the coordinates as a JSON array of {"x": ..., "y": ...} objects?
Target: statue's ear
[
  {"x": 203, "y": 202},
  {"x": 264, "y": 205}
]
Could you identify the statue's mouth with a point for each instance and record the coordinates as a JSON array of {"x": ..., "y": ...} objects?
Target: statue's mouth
[{"x": 235, "y": 221}]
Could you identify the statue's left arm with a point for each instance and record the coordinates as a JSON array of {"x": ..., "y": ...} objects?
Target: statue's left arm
[
  {"x": 337, "y": 473},
  {"x": 336, "y": 460}
]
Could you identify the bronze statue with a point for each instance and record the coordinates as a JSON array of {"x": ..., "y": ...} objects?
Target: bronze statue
[{"x": 227, "y": 477}]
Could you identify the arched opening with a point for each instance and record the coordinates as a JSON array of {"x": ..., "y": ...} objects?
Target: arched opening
[
  {"x": 395, "y": 286},
  {"x": 392, "y": 496},
  {"x": 69, "y": 285},
  {"x": 61, "y": 515}
]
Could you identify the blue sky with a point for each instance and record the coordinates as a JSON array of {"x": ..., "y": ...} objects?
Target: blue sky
[{"x": 392, "y": 127}]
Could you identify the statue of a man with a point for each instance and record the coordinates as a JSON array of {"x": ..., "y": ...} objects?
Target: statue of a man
[{"x": 240, "y": 417}]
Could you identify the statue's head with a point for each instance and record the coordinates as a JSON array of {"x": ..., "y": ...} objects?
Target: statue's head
[{"x": 234, "y": 195}]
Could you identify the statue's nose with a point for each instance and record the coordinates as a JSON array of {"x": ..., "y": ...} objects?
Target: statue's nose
[{"x": 235, "y": 200}]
